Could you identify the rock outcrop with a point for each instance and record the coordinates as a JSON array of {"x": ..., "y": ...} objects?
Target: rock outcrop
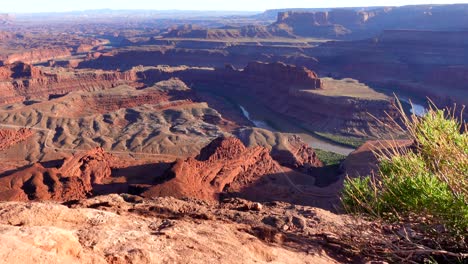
[
  {"x": 23, "y": 81},
  {"x": 312, "y": 24},
  {"x": 334, "y": 23},
  {"x": 225, "y": 165},
  {"x": 19, "y": 70},
  {"x": 10, "y": 137},
  {"x": 298, "y": 77},
  {"x": 363, "y": 161},
  {"x": 299, "y": 93},
  {"x": 195, "y": 32},
  {"x": 289, "y": 150},
  {"x": 73, "y": 180},
  {"x": 84, "y": 48},
  {"x": 335, "y": 16},
  {"x": 36, "y": 55},
  {"x": 127, "y": 229},
  {"x": 361, "y": 23},
  {"x": 299, "y": 154},
  {"x": 435, "y": 63}
]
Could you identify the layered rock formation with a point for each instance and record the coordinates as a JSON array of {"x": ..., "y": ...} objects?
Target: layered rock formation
[
  {"x": 73, "y": 180},
  {"x": 147, "y": 56},
  {"x": 84, "y": 48},
  {"x": 164, "y": 119},
  {"x": 359, "y": 23},
  {"x": 36, "y": 55},
  {"x": 422, "y": 63},
  {"x": 297, "y": 77},
  {"x": 334, "y": 16},
  {"x": 298, "y": 92},
  {"x": 22, "y": 81},
  {"x": 194, "y": 32},
  {"x": 19, "y": 70},
  {"x": 335, "y": 23},
  {"x": 316, "y": 24},
  {"x": 225, "y": 165},
  {"x": 350, "y": 23}
]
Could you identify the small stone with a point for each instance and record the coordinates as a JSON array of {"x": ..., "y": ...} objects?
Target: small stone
[
  {"x": 299, "y": 222},
  {"x": 131, "y": 198},
  {"x": 274, "y": 221},
  {"x": 257, "y": 207}
]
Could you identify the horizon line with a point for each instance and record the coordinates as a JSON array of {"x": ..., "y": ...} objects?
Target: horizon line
[{"x": 216, "y": 10}]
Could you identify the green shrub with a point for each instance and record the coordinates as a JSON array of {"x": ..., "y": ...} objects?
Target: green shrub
[
  {"x": 428, "y": 181},
  {"x": 329, "y": 158}
]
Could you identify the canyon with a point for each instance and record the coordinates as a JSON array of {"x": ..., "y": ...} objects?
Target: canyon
[{"x": 147, "y": 137}]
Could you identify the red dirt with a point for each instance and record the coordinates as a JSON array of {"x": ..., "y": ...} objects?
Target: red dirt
[{"x": 10, "y": 137}]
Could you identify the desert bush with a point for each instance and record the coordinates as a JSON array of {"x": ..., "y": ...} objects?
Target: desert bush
[{"x": 426, "y": 183}]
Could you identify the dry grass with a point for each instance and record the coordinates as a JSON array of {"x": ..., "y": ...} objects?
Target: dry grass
[{"x": 424, "y": 186}]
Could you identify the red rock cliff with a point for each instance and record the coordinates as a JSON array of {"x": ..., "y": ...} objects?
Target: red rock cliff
[
  {"x": 225, "y": 164},
  {"x": 19, "y": 70},
  {"x": 36, "y": 55},
  {"x": 34, "y": 83},
  {"x": 278, "y": 71}
]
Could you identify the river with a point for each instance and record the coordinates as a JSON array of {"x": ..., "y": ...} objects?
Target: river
[
  {"x": 257, "y": 123},
  {"x": 313, "y": 141},
  {"x": 416, "y": 109}
]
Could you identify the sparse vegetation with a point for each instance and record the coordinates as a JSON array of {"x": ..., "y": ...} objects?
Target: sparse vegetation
[
  {"x": 329, "y": 158},
  {"x": 353, "y": 142},
  {"x": 425, "y": 186}
]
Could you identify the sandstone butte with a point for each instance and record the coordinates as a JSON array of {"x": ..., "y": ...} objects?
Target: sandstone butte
[
  {"x": 224, "y": 165},
  {"x": 285, "y": 73}
]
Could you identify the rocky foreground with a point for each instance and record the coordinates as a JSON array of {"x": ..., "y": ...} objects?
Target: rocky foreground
[{"x": 129, "y": 229}]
